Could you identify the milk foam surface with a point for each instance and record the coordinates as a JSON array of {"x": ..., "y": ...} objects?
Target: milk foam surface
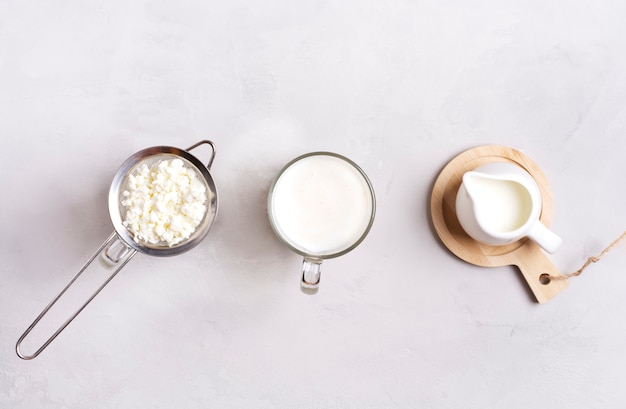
[{"x": 321, "y": 205}]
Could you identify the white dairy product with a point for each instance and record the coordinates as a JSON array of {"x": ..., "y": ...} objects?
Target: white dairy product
[
  {"x": 501, "y": 205},
  {"x": 165, "y": 202},
  {"x": 321, "y": 205}
]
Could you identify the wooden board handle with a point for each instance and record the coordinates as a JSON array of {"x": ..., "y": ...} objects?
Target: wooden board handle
[{"x": 542, "y": 276}]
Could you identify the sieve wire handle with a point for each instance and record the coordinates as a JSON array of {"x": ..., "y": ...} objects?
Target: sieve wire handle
[
  {"x": 207, "y": 142},
  {"x": 114, "y": 254}
]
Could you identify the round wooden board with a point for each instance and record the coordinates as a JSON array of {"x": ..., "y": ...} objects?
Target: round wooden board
[{"x": 524, "y": 253}]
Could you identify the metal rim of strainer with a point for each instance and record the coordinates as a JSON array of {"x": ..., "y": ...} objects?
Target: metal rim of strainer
[{"x": 149, "y": 156}]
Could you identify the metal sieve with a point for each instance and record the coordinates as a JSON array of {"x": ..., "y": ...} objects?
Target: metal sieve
[
  {"x": 150, "y": 156},
  {"x": 121, "y": 246}
]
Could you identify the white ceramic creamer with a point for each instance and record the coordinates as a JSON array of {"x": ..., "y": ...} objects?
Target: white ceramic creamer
[
  {"x": 500, "y": 203},
  {"x": 321, "y": 205}
]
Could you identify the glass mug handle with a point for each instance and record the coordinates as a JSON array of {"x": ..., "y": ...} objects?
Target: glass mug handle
[{"x": 311, "y": 271}]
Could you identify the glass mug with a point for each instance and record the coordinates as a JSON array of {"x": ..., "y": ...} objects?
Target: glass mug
[{"x": 321, "y": 205}]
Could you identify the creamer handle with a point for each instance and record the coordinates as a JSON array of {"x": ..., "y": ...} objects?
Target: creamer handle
[{"x": 543, "y": 236}]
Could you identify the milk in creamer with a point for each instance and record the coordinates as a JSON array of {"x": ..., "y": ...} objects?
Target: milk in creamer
[{"x": 501, "y": 205}]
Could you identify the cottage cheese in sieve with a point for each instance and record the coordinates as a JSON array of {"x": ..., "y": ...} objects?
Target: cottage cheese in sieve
[{"x": 165, "y": 202}]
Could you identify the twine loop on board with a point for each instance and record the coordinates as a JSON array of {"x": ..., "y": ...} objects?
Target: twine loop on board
[{"x": 590, "y": 260}]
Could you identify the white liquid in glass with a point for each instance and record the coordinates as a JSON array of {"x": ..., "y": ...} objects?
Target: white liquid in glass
[{"x": 321, "y": 205}]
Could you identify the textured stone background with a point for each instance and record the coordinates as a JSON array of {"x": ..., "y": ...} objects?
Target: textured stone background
[{"x": 400, "y": 87}]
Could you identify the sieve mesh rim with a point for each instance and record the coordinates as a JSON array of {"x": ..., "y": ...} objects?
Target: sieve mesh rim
[{"x": 117, "y": 210}]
